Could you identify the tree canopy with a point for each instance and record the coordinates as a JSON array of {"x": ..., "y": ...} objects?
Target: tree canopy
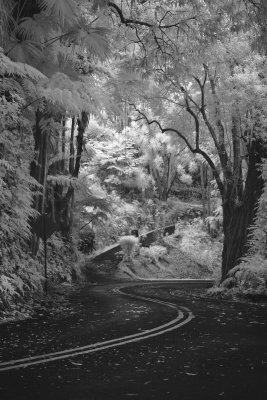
[{"x": 100, "y": 98}]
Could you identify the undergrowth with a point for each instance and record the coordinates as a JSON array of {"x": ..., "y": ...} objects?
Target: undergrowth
[
  {"x": 200, "y": 246},
  {"x": 22, "y": 276}
]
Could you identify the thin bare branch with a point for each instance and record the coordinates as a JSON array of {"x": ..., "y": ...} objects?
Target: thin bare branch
[{"x": 127, "y": 21}]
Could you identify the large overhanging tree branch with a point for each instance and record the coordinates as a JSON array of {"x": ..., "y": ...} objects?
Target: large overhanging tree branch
[
  {"x": 131, "y": 21},
  {"x": 162, "y": 31},
  {"x": 194, "y": 150},
  {"x": 217, "y": 135},
  {"x": 195, "y": 109}
]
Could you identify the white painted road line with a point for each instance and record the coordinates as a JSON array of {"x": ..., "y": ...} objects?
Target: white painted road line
[{"x": 175, "y": 323}]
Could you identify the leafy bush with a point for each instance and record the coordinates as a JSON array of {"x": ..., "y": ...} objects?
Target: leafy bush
[
  {"x": 187, "y": 193},
  {"x": 21, "y": 277},
  {"x": 153, "y": 253},
  {"x": 86, "y": 242},
  {"x": 62, "y": 255},
  {"x": 249, "y": 277}
]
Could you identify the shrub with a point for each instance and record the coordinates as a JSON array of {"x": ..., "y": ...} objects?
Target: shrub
[
  {"x": 199, "y": 246},
  {"x": 249, "y": 277},
  {"x": 153, "y": 252},
  {"x": 61, "y": 256},
  {"x": 20, "y": 279},
  {"x": 86, "y": 242}
]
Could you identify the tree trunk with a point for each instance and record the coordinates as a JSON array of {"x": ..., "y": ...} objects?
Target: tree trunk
[
  {"x": 38, "y": 170},
  {"x": 63, "y": 145},
  {"x": 71, "y": 160},
  {"x": 238, "y": 216},
  {"x": 164, "y": 195},
  {"x": 67, "y": 203},
  {"x": 67, "y": 213},
  {"x": 203, "y": 190},
  {"x": 82, "y": 124}
]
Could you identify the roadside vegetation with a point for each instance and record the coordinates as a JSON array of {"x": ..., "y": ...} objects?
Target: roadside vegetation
[{"x": 117, "y": 117}]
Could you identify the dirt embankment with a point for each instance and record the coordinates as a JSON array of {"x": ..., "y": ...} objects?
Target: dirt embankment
[{"x": 163, "y": 260}]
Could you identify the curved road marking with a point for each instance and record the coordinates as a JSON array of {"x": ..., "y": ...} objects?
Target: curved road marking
[{"x": 175, "y": 323}]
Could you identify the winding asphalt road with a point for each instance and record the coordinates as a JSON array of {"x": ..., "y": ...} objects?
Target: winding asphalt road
[{"x": 143, "y": 341}]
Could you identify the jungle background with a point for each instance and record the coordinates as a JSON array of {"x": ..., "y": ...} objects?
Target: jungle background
[{"x": 133, "y": 115}]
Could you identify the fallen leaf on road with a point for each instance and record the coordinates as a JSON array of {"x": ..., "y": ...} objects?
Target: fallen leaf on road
[{"x": 75, "y": 363}]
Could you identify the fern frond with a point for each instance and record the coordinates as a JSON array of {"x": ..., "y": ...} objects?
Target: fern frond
[
  {"x": 96, "y": 202},
  {"x": 30, "y": 89},
  {"x": 6, "y": 165},
  {"x": 9, "y": 67},
  {"x": 118, "y": 169},
  {"x": 70, "y": 95},
  {"x": 11, "y": 85},
  {"x": 63, "y": 99}
]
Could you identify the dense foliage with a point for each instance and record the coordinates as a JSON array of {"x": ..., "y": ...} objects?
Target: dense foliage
[{"x": 108, "y": 110}]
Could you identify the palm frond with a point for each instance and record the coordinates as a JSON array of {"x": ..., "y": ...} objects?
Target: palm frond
[
  {"x": 34, "y": 28},
  {"x": 5, "y": 8},
  {"x": 23, "y": 50},
  {"x": 65, "y": 10},
  {"x": 93, "y": 40},
  {"x": 99, "y": 4}
]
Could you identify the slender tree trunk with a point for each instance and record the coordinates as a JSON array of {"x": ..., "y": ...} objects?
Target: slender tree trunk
[
  {"x": 69, "y": 199},
  {"x": 164, "y": 195},
  {"x": 71, "y": 160},
  {"x": 38, "y": 170},
  {"x": 63, "y": 145},
  {"x": 203, "y": 190},
  {"x": 82, "y": 124},
  {"x": 67, "y": 213},
  {"x": 209, "y": 175}
]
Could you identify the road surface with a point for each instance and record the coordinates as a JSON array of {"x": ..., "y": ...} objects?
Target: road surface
[{"x": 143, "y": 341}]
